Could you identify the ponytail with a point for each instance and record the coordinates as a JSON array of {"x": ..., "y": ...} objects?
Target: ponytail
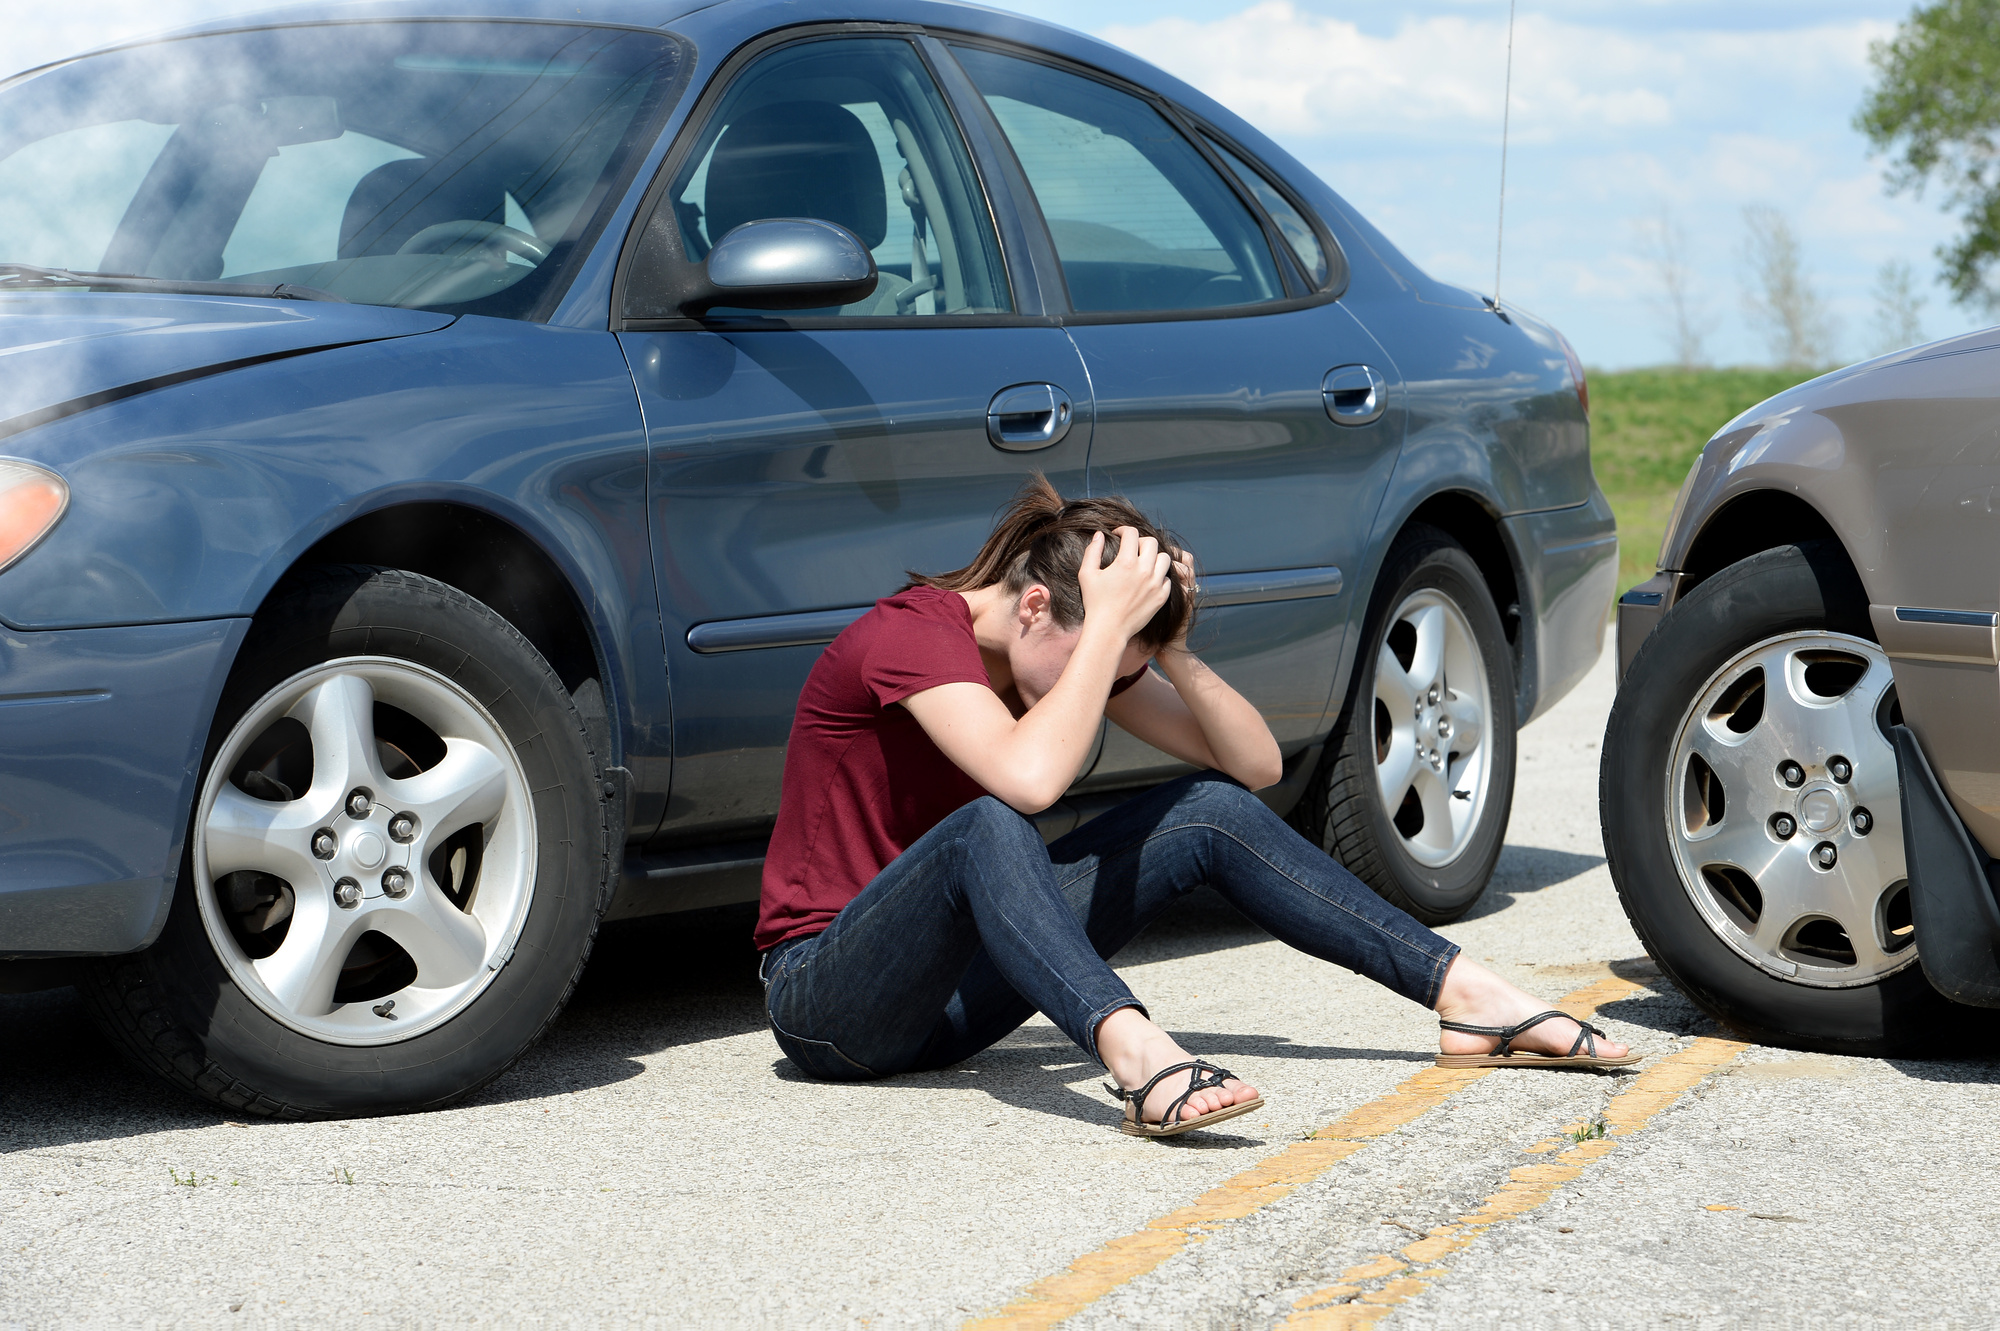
[{"x": 1043, "y": 538}]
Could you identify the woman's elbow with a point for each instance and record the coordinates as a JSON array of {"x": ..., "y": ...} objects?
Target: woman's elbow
[
  {"x": 1028, "y": 795},
  {"x": 1265, "y": 774}
]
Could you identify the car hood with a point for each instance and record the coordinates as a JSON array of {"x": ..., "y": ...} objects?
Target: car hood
[{"x": 62, "y": 352}]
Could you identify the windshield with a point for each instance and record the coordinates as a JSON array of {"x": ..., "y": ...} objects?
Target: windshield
[{"x": 437, "y": 165}]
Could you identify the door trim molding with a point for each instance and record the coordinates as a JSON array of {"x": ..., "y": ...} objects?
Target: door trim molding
[
  {"x": 815, "y": 627},
  {"x": 1283, "y": 584}
]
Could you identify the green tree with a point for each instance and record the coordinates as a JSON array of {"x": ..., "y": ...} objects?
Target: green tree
[{"x": 1936, "y": 107}]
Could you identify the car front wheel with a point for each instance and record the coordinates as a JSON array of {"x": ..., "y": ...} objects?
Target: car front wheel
[
  {"x": 1751, "y": 815},
  {"x": 396, "y": 863}
]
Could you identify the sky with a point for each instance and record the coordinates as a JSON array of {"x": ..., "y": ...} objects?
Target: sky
[{"x": 1622, "y": 111}]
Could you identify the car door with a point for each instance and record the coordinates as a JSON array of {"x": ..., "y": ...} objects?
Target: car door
[
  {"x": 1235, "y": 401},
  {"x": 801, "y": 465}
]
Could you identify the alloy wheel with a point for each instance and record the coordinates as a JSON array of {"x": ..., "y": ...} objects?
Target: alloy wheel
[
  {"x": 364, "y": 851},
  {"x": 1433, "y": 710},
  {"x": 1784, "y": 811}
]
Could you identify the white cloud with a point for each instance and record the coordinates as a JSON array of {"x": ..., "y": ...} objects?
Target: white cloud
[
  {"x": 76, "y": 26},
  {"x": 1301, "y": 73},
  {"x": 1614, "y": 112}
]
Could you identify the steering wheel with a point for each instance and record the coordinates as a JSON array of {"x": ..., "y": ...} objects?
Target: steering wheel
[{"x": 445, "y": 236}]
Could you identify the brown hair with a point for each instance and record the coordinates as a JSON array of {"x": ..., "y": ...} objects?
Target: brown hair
[{"x": 1042, "y": 538}]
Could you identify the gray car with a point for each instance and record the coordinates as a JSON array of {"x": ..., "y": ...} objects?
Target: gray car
[
  {"x": 441, "y": 436},
  {"x": 1801, "y": 781}
]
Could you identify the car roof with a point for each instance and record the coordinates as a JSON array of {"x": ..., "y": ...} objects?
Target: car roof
[{"x": 717, "y": 27}]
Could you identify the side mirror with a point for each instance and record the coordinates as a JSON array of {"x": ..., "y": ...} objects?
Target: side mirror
[{"x": 783, "y": 263}]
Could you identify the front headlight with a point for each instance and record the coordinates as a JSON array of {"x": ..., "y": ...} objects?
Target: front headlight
[
  {"x": 1674, "y": 514},
  {"x": 32, "y": 501}
]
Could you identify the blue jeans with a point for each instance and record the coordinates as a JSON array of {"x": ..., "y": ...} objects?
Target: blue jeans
[{"x": 977, "y": 925}]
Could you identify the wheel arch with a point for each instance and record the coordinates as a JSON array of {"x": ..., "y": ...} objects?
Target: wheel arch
[
  {"x": 1468, "y": 518},
  {"x": 1749, "y": 524},
  {"x": 497, "y": 563}
]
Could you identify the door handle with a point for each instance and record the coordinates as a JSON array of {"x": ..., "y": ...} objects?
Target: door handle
[
  {"x": 1026, "y": 417},
  {"x": 1354, "y": 394}
]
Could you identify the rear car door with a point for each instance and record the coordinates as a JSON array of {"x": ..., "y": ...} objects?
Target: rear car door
[
  {"x": 1236, "y": 401},
  {"x": 801, "y": 465}
]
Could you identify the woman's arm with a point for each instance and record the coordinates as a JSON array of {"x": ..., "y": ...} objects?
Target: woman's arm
[
  {"x": 1029, "y": 762},
  {"x": 1195, "y": 716}
]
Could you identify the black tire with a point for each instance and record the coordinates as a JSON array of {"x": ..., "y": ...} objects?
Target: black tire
[
  {"x": 1344, "y": 810},
  {"x": 175, "y": 1007},
  {"x": 1796, "y": 588}
]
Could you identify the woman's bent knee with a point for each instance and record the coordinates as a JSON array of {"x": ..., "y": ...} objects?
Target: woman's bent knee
[
  {"x": 989, "y": 817},
  {"x": 1223, "y": 799}
]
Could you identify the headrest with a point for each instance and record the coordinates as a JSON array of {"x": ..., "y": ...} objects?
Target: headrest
[
  {"x": 394, "y": 202},
  {"x": 798, "y": 159}
]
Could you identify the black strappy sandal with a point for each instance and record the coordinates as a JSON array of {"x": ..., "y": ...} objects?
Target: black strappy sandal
[
  {"x": 1207, "y": 1077},
  {"x": 1506, "y": 1057}
]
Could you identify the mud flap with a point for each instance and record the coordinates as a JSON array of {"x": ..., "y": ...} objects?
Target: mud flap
[{"x": 1952, "y": 899}]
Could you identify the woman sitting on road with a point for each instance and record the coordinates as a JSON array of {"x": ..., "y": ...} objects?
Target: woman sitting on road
[{"x": 911, "y": 914}]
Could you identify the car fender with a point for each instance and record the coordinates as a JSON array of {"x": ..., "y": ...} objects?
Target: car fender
[
  {"x": 1900, "y": 459},
  {"x": 193, "y": 502}
]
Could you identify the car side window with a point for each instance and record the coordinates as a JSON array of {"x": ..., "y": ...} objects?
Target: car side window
[
  {"x": 1140, "y": 219},
  {"x": 1291, "y": 224},
  {"x": 852, "y": 131}
]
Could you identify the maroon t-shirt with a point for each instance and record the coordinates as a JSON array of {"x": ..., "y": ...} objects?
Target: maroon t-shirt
[{"x": 862, "y": 779}]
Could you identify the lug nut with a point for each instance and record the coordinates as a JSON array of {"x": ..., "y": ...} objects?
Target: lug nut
[
  {"x": 1839, "y": 769},
  {"x": 1783, "y": 826},
  {"x": 1444, "y": 729},
  {"x": 1825, "y": 856},
  {"x": 396, "y": 883},
  {"x": 1791, "y": 774},
  {"x": 359, "y": 801},
  {"x": 403, "y": 827},
  {"x": 1862, "y": 821},
  {"x": 347, "y": 894},
  {"x": 1432, "y": 696},
  {"x": 325, "y": 843}
]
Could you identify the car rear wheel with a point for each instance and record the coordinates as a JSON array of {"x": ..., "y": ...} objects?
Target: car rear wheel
[
  {"x": 1414, "y": 792},
  {"x": 1751, "y": 814},
  {"x": 395, "y": 868}
]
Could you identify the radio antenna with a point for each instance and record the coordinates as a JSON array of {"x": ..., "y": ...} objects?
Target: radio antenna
[{"x": 1506, "y": 111}]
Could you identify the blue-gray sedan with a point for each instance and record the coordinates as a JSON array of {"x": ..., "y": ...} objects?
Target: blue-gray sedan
[{"x": 436, "y": 437}]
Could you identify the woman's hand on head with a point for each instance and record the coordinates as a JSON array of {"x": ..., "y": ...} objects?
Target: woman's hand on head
[{"x": 1126, "y": 593}]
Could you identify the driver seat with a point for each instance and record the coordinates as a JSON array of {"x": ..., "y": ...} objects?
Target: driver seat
[
  {"x": 797, "y": 159},
  {"x": 398, "y": 199}
]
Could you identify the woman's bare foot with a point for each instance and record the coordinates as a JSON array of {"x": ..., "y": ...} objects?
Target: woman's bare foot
[
  {"x": 1475, "y": 996},
  {"x": 1135, "y": 1050}
]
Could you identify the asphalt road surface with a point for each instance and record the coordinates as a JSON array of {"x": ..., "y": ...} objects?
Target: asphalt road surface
[{"x": 657, "y": 1162}]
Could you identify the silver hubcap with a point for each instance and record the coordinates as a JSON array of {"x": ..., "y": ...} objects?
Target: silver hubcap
[
  {"x": 364, "y": 887},
  {"x": 1432, "y": 703},
  {"x": 1785, "y": 814}
]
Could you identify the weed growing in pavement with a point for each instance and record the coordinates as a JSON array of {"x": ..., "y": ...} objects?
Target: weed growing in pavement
[
  {"x": 190, "y": 1180},
  {"x": 1588, "y": 1132},
  {"x": 344, "y": 1176}
]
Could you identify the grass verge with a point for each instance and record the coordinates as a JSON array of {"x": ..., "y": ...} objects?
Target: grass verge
[{"x": 1646, "y": 429}]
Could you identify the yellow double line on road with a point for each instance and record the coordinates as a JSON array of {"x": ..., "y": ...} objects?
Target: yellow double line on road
[
  {"x": 1095, "y": 1274},
  {"x": 1351, "y": 1303}
]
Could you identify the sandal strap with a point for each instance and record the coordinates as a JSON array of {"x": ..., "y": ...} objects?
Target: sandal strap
[
  {"x": 1207, "y": 1077},
  {"x": 1586, "y": 1039},
  {"x": 1466, "y": 1029},
  {"x": 1508, "y": 1034}
]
